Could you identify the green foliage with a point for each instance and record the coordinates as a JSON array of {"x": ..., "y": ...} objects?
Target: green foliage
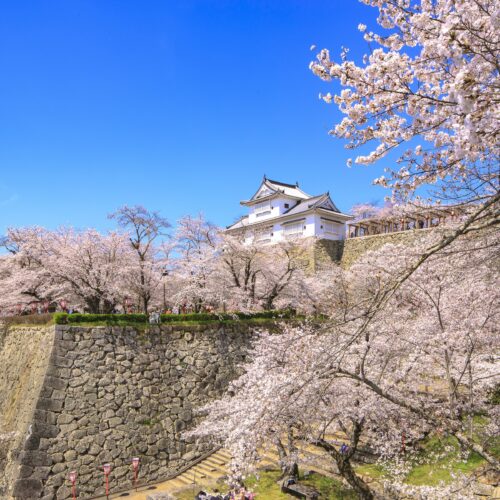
[
  {"x": 267, "y": 486},
  {"x": 437, "y": 461},
  {"x": 329, "y": 487},
  {"x": 494, "y": 398},
  {"x": 201, "y": 317},
  {"x": 118, "y": 319},
  {"x": 66, "y": 319}
]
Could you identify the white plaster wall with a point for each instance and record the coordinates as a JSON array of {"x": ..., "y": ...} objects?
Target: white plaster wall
[
  {"x": 320, "y": 231},
  {"x": 311, "y": 228},
  {"x": 277, "y": 209}
]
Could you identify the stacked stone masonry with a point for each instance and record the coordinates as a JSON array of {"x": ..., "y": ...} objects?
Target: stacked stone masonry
[
  {"x": 75, "y": 398},
  {"x": 112, "y": 393}
]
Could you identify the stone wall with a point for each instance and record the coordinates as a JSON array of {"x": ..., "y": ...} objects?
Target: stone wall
[
  {"x": 346, "y": 252},
  {"x": 354, "y": 248},
  {"x": 112, "y": 393},
  {"x": 24, "y": 357},
  {"x": 326, "y": 251}
]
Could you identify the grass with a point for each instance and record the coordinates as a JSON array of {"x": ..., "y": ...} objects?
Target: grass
[
  {"x": 437, "y": 461},
  {"x": 146, "y": 326},
  {"x": 267, "y": 487}
]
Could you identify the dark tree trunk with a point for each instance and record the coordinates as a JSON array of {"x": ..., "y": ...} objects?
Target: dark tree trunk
[
  {"x": 343, "y": 461},
  {"x": 289, "y": 470},
  {"x": 93, "y": 305},
  {"x": 107, "y": 307},
  {"x": 357, "y": 484}
]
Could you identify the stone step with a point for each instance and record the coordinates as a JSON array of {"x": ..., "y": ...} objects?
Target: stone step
[
  {"x": 214, "y": 464},
  {"x": 185, "y": 478},
  {"x": 208, "y": 468},
  {"x": 223, "y": 454},
  {"x": 174, "y": 484},
  {"x": 203, "y": 473}
]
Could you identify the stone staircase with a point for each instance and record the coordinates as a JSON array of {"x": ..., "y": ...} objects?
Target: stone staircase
[
  {"x": 206, "y": 473},
  {"x": 203, "y": 474}
]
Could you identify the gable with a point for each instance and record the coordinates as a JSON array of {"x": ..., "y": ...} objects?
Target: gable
[
  {"x": 328, "y": 204},
  {"x": 263, "y": 191}
]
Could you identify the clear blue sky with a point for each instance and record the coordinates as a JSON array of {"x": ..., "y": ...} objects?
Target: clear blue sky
[{"x": 180, "y": 106}]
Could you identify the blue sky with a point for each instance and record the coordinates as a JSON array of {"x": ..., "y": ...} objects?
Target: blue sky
[{"x": 180, "y": 106}]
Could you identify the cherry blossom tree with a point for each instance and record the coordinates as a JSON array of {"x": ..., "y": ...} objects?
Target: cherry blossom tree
[
  {"x": 80, "y": 267},
  {"x": 221, "y": 271},
  {"x": 264, "y": 276},
  {"x": 430, "y": 86},
  {"x": 196, "y": 241},
  {"x": 424, "y": 362},
  {"x": 145, "y": 229}
]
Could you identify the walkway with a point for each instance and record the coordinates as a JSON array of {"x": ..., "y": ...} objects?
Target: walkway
[{"x": 206, "y": 473}]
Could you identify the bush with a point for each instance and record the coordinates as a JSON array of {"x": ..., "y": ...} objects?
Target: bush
[{"x": 66, "y": 319}]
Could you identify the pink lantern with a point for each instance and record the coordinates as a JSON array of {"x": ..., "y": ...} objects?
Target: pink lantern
[
  {"x": 107, "y": 471},
  {"x": 72, "y": 478},
  {"x": 135, "y": 465}
]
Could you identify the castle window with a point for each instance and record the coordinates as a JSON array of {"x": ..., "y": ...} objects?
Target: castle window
[
  {"x": 329, "y": 227},
  {"x": 262, "y": 209},
  {"x": 293, "y": 229},
  {"x": 263, "y": 235}
]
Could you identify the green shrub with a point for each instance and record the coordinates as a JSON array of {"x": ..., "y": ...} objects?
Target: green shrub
[{"x": 67, "y": 319}]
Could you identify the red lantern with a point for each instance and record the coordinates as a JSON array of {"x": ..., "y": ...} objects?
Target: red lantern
[
  {"x": 46, "y": 305},
  {"x": 107, "y": 471},
  {"x": 135, "y": 465},
  {"x": 72, "y": 478}
]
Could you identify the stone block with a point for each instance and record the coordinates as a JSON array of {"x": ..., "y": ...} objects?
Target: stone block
[
  {"x": 41, "y": 473},
  {"x": 70, "y": 455},
  {"x": 45, "y": 417},
  {"x": 45, "y": 430},
  {"x": 65, "y": 418},
  {"x": 55, "y": 383},
  {"x": 32, "y": 443},
  {"x": 25, "y": 471},
  {"x": 49, "y": 405},
  {"x": 35, "y": 458},
  {"x": 63, "y": 492},
  {"x": 27, "y": 489},
  {"x": 61, "y": 362}
]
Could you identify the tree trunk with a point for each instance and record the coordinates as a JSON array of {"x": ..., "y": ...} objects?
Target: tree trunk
[
  {"x": 289, "y": 471},
  {"x": 358, "y": 485},
  {"x": 93, "y": 304},
  {"x": 343, "y": 462}
]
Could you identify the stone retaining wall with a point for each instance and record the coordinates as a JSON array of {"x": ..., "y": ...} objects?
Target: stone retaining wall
[
  {"x": 346, "y": 252},
  {"x": 24, "y": 357},
  {"x": 112, "y": 393},
  {"x": 354, "y": 248}
]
